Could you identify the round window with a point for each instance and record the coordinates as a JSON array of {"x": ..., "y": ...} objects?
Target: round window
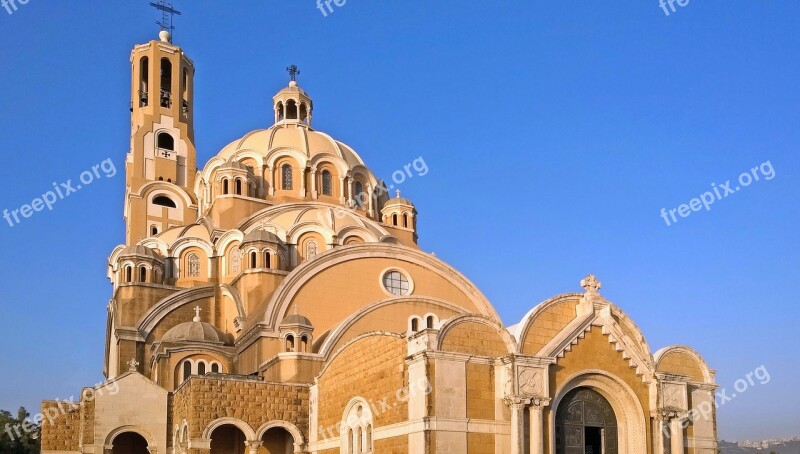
[{"x": 396, "y": 283}]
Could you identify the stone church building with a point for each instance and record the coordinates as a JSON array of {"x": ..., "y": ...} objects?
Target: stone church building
[{"x": 276, "y": 301}]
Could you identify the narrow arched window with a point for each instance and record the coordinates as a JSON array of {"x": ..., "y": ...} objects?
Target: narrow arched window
[
  {"x": 327, "y": 183},
  {"x": 238, "y": 187},
  {"x": 394, "y": 219},
  {"x": 225, "y": 189},
  {"x": 311, "y": 250},
  {"x": 166, "y": 83},
  {"x": 193, "y": 262},
  {"x": 164, "y": 201},
  {"x": 142, "y": 274},
  {"x": 253, "y": 258},
  {"x": 405, "y": 220},
  {"x": 289, "y": 343},
  {"x": 267, "y": 260},
  {"x": 369, "y": 437},
  {"x": 236, "y": 259},
  {"x": 201, "y": 368},
  {"x": 153, "y": 231},
  {"x": 128, "y": 274},
  {"x": 187, "y": 370},
  {"x": 291, "y": 110},
  {"x": 414, "y": 325},
  {"x": 215, "y": 368},
  {"x": 144, "y": 86},
  {"x": 350, "y": 441},
  {"x": 304, "y": 344},
  {"x": 165, "y": 141},
  {"x": 359, "y": 197},
  {"x": 286, "y": 177},
  {"x": 430, "y": 321},
  {"x": 359, "y": 440}
]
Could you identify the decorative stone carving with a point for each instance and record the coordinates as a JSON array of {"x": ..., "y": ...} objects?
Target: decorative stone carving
[{"x": 531, "y": 382}]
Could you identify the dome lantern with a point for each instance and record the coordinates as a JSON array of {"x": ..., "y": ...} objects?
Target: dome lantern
[{"x": 292, "y": 104}]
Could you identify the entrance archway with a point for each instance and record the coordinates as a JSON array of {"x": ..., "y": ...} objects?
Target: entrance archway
[
  {"x": 129, "y": 443},
  {"x": 228, "y": 439},
  {"x": 586, "y": 424},
  {"x": 277, "y": 440}
]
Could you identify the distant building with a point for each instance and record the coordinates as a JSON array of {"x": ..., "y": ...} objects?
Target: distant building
[{"x": 276, "y": 301}]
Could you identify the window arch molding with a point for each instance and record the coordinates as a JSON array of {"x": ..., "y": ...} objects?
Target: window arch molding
[{"x": 357, "y": 417}]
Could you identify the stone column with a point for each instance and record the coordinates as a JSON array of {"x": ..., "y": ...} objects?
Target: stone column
[
  {"x": 314, "y": 193},
  {"x": 270, "y": 181},
  {"x": 536, "y": 411},
  {"x": 302, "y": 181},
  {"x": 676, "y": 435},
  {"x": 252, "y": 446},
  {"x": 517, "y": 406}
]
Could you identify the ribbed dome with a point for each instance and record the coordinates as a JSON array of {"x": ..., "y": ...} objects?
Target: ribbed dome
[
  {"x": 139, "y": 250},
  {"x": 261, "y": 236},
  {"x": 195, "y": 331},
  {"x": 296, "y": 319},
  {"x": 233, "y": 165},
  {"x": 398, "y": 201},
  {"x": 293, "y": 136}
]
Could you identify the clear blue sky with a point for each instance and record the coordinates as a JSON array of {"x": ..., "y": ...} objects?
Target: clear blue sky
[{"x": 555, "y": 132}]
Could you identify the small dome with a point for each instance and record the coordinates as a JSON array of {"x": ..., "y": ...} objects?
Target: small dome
[
  {"x": 195, "y": 331},
  {"x": 296, "y": 319},
  {"x": 398, "y": 201},
  {"x": 233, "y": 165},
  {"x": 139, "y": 251},
  {"x": 261, "y": 236}
]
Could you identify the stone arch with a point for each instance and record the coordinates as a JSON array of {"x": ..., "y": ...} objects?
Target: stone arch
[
  {"x": 248, "y": 431},
  {"x": 632, "y": 428},
  {"x": 151, "y": 441},
  {"x": 666, "y": 352},
  {"x": 291, "y": 428},
  {"x": 454, "y": 322}
]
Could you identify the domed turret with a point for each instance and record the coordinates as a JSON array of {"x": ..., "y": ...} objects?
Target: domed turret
[
  {"x": 400, "y": 213},
  {"x": 292, "y": 104},
  {"x": 296, "y": 331},
  {"x": 196, "y": 332}
]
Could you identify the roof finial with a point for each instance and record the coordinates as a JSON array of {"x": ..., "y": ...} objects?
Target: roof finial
[
  {"x": 166, "y": 26},
  {"x": 293, "y": 72},
  {"x": 196, "y": 314},
  {"x": 398, "y": 193},
  {"x": 132, "y": 365},
  {"x": 591, "y": 284}
]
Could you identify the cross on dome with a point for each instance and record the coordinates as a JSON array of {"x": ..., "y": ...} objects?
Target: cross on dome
[
  {"x": 293, "y": 72},
  {"x": 591, "y": 284},
  {"x": 196, "y": 314},
  {"x": 133, "y": 364}
]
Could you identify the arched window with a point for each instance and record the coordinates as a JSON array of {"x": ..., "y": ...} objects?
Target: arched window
[
  {"x": 144, "y": 66},
  {"x": 405, "y": 220},
  {"x": 236, "y": 259},
  {"x": 164, "y": 201},
  {"x": 187, "y": 370},
  {"x": 153, "y": 230},
  {"x": 311, "y": 249},
  {"x": 415, "y": 324},
  {"x": 350, "y": 441},
  {"x": 359, "y": 440},
  {"x": 369, "y": 437},
  {"x": 238, "y": 187},
  {"x": 128, "y": 274},
  {"x": 267, "y": 260},
  {"x": 215, "y": 368},
  {"x": 142, "y": 274},
  {"x": 166, "y": 83},
  {"x": 165, "y": 141},
  {"x": 290, "y": 343},
  {"x": 201, "y": 368},
  {"x": 359, "y": 197},
  {"x": 394, "y": 219},
  {"x": 291, "y": 110},
  {"x": 304, "y": 344},
  {"x": 286, "y": 177},
  {"x": 430, "y": 321},
  {"x": 253, "y": 258},
  {"x": 193, "y": 262},
  {"x": 327, "y": 183}
]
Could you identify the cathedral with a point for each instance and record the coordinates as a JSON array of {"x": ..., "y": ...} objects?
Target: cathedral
[{"x": 275, "y": 301}]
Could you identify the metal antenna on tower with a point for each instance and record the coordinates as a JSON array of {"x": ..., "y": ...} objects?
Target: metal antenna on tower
[{"x": 167, "y": 12}]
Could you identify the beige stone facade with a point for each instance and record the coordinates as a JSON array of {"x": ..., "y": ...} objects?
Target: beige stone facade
[{"x": 275, "y": 301}]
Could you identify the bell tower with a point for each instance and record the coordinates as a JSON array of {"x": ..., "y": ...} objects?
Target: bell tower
[{"x": 162, "y": 164}]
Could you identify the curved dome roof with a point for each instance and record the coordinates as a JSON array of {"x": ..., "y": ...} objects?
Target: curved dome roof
[
  {"x": 296, "y": 319},
  {"x": 261, "y": 235},
  {"x": 398, "y": 201},
  {"x": 295, "y": 136},
  {"x": 195, "y": 331},
  {"x": 139, "y": 250}
]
